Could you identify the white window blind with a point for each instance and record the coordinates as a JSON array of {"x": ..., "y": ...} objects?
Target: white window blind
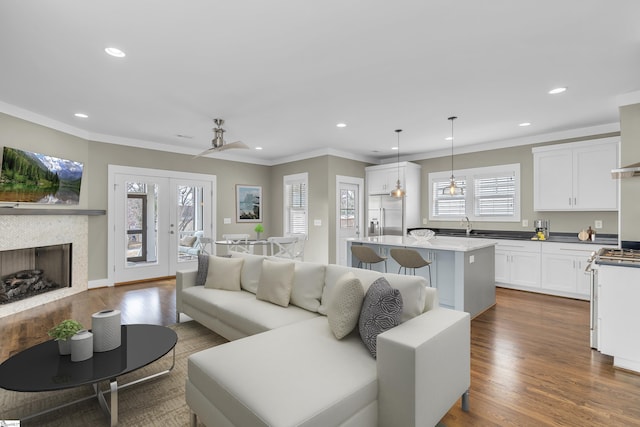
[
  {"x": 446, "y": 205},
  {"x": 296, "y": 204},
  {"x": 495, "y": 195}
]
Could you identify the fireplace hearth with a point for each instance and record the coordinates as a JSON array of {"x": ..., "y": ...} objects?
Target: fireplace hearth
[{"x": 28, "y": 272}]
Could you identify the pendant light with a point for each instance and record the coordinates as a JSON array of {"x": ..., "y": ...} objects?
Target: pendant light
[
  {"x": 398, "y": 192},
  {"x": 452, "y": 189}
]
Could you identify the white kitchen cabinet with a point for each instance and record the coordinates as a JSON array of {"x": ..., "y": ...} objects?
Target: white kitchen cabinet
[
  {"x": 518, "y": 264},
  {"x": 381, "y": 179},
  {"x": 563, "y": 268},
  {"x": 576, "y": 176}
]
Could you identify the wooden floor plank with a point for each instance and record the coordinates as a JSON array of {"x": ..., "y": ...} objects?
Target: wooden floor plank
[{"x": 531, "y": 364}]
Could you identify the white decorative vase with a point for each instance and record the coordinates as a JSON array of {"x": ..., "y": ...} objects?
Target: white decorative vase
[
  {"x": 81, "y": 346},
  {"x": 106, "y": 330},
  {"x": 64, "y": 347}
]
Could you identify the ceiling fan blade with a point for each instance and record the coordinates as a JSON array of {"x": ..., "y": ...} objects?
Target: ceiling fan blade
[
  {"x": 205, "y": 152},
  {"x": 233, "y": 146}
]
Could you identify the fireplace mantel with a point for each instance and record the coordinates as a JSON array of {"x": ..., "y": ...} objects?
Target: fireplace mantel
[{"x": 31, "y": 211}]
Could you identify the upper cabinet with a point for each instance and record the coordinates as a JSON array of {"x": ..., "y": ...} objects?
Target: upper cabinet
[
  {"x": 576, "y": 176},
  {"x": 381, "y": 179}
]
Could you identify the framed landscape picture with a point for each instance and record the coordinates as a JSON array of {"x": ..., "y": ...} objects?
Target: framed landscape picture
[{"x": 248, "y": 203}]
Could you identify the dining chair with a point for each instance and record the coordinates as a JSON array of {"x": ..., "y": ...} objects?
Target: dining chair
[
  {"x": 238, "y": 242},
  {"x": 283, "y": 247}
]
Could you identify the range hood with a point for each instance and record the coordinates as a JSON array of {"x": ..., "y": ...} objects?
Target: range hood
[{"x": 626, "y": 172}]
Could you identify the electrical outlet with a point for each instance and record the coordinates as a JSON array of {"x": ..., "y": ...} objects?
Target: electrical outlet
[
  {"x": 317, "y": 223},
  {"x": 472, "y": 259},
  {"x": 424, "y": 221},
  {"x": 525, "y": 222},
  {"x": 227, "y": 220},
  {"x": 598, "y": 223}
]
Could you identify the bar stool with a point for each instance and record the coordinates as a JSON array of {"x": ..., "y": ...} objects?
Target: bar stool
[
  {"x": 410, "y": 258},
  {"x": 366, "y": 255}
]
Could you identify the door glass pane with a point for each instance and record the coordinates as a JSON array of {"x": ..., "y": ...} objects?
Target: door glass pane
[
  {"x": 141, "y": 219},
  {"x": 347, "y": 208},
  {"x": 190, "y": 211}
]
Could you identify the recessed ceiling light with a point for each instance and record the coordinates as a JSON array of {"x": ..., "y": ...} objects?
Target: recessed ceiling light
[
  {"x": 394, "y": 148},
  {"x": 258, "y": 148},
  {"x": 81, "y": 115},
  {"x": 449, "y": 138},
  {"x": 114, "y": 51},
  {"x": 525, "y": 124},
  {"x": 341, "y": 125},
  {"x": 557, "y": 90}
]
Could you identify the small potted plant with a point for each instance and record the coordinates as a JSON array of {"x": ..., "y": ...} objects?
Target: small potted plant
[
  {"x": 63, "y": 333},
  {"x": 259, "y": 229}
]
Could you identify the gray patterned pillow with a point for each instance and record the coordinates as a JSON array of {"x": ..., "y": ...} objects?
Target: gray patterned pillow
[
  {"x": 203, "y": 269},
  {"x": 381, "y": 311}
]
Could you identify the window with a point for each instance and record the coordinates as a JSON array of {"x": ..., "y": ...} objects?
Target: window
[
  {"x": 490, "y": 194},
  {"x": 296, "y": 197}
]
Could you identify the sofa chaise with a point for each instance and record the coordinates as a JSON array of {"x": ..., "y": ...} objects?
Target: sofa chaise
[{"x": 285, "y": 367}]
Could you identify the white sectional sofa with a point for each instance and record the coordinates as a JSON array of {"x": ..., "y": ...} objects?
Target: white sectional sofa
[{"x": 284, "y": 366}]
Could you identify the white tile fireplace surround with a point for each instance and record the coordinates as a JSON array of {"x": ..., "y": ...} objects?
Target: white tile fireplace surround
[{"x": 25, "y": 231}]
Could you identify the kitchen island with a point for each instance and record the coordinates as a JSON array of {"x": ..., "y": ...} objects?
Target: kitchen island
[{"x": 462, "y": 269}]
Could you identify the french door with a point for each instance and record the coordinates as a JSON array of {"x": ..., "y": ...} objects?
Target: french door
[{"x": 158, "y": 221}]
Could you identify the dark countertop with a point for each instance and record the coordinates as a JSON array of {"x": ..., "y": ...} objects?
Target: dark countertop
[{"x": 601, "y": 238}]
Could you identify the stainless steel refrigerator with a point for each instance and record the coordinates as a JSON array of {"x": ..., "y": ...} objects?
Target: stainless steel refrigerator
[{"x": 384, "y": 215}]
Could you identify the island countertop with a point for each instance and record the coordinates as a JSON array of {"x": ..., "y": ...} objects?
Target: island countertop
[{"x": 444, "y": 243}]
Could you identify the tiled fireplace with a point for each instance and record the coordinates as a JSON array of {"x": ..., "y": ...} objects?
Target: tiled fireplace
[{"x": 47, "y": 233}]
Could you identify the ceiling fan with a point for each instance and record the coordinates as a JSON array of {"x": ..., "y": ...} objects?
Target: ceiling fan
[{"x": 218, "y": 143}]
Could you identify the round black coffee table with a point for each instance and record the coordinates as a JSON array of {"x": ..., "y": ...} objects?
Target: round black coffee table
[{"x": 41, "y": 368}]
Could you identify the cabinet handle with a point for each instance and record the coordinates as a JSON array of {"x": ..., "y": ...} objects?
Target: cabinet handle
[
  {"x": 575, "y": 201},
  {"x": 569, "y": 201}
]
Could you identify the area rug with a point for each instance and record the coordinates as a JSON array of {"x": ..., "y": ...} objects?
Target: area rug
[{"x": 159, "y": 402}]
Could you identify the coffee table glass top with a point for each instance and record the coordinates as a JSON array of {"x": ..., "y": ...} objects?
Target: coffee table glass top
[{"x": 42, "y": 368}]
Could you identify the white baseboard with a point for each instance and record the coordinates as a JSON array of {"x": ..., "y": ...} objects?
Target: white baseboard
[{"x": 100, "y": 283}]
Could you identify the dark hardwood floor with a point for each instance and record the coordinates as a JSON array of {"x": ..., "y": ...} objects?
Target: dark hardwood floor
[{"x": 531, "y": 364}]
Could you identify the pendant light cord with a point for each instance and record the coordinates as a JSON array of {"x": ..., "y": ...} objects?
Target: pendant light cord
[
  {"x": 452, "y": 118},
  {"x": 398, "y": 132}
]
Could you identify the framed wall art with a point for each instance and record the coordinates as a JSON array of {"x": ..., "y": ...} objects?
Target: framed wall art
[{"x": 248, "y": 203}]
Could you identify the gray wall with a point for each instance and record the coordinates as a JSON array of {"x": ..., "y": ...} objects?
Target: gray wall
[
  {"x": 96, "y": 158},
  {"x": 322, "y": 172},
  {"x": 560, "y": 221},
  {"x": 630, "y": 187}
]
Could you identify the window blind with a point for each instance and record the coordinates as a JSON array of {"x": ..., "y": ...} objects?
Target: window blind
[
  {"x": 296, "y": 207},
  {"x": 495, "y": 195}
]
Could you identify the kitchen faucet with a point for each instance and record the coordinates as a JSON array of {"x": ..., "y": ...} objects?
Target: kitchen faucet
[{"x": 462, "y": 222}]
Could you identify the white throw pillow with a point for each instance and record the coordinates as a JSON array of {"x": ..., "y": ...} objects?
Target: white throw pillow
[
  {"x": 188, "y": 241},
  {"x": 345, "y": 304},
  {"x": 308, "y": 281},
  {"x": 251, "y": 270},
  {"x": 276, "y": 282},
  {"x": 224, "y": 273}
]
